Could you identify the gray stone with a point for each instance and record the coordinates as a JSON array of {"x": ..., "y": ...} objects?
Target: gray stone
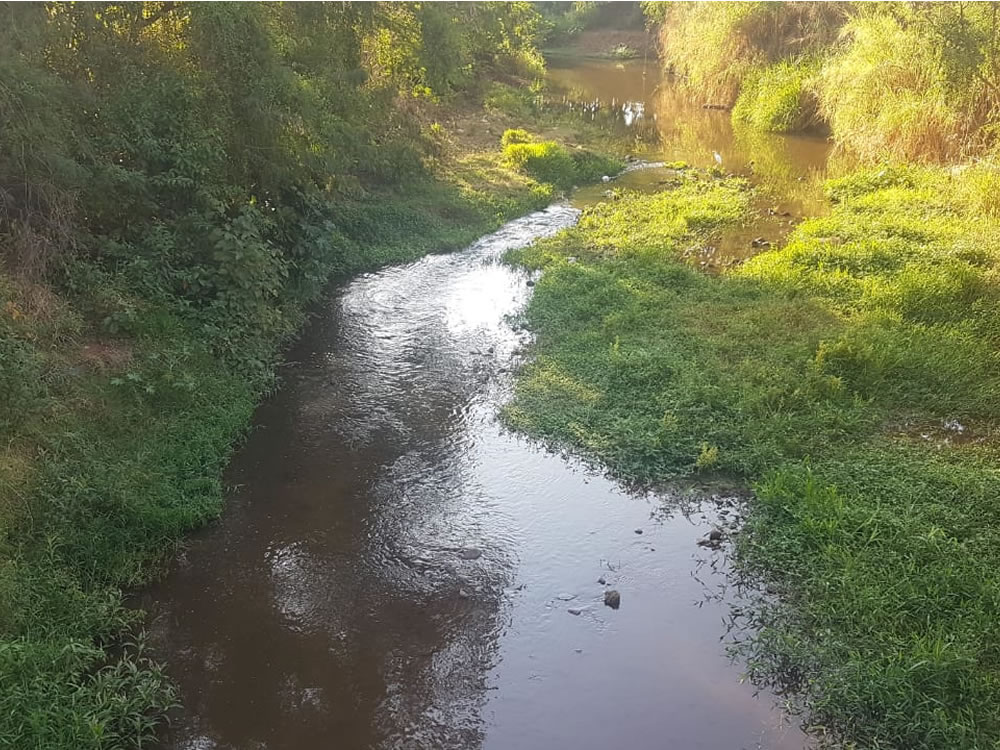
[{"x": 612, "y": 599}]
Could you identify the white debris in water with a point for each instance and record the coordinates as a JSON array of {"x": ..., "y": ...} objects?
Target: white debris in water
[
  {"x": 605, "y": 179},
  {"x": 954, "y": 425}
]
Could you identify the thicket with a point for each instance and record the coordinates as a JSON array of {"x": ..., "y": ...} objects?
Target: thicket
[
  {"x": 177, "y": 182},
  {"x": 904, "y": 80}
]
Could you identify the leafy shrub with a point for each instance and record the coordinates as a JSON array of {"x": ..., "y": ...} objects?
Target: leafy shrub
[
  {"x": 591, "y": 166},
  {"x": 546, "y": 161}
]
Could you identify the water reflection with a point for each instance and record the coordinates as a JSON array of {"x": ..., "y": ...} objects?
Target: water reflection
[
  {"x": 396, "y": 570},
  {"x": 669, "y": 125}
]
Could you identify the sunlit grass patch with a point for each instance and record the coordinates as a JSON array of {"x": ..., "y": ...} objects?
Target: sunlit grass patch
[
  {"x": 778, "y": 98},
  {"x": 552, "y": 163},
  {"x": 788, "y": 371}
]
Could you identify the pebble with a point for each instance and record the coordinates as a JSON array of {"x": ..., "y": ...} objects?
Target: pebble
[
  {"x": 612, "y": 599},
  {"x": 531, "y": 282},
  {"x": 638, "y": 531},
  {"x": 603, "y": 581},
  {"x": 566, "y": 597},
  {"x": 575, "y": 611}
]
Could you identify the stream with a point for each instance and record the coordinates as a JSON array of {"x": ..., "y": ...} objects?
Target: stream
[{"x": 396, "y": 569}]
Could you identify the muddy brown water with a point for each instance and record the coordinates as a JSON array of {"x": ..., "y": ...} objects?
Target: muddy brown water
[{"x": 395, "y": 569}]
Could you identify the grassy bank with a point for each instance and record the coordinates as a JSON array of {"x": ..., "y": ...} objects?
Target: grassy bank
[
  {"x": 852, "y": 377},
  {"x": 178, "y": 183},
  {"x": 116, "y": 442},
  {"x": 890, "y": 80},
  {"x": 115, "y": 448}
]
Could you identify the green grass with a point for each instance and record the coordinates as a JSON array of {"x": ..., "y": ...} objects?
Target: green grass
[
  {"x": 826, "y": 373},
  {"x": 778, "y": 98},
  {"x": 552, "y": 163},
  {"x": 108, "y": 460}
]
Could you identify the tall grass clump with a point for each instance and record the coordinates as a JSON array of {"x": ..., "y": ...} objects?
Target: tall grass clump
[
  {"x": 893, "y": 80},
  {"x": 715, "y": 46},
  {"x": 779, "y": 98},
  {"x": 886, "y": 94},
  {"x": 550, "y": 162},
  {"x": 916, "y": 83}
]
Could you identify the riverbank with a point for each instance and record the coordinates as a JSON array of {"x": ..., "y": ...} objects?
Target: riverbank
[
  {"x": 123, "y": 418},
  {"x": 850, "y": 377}
]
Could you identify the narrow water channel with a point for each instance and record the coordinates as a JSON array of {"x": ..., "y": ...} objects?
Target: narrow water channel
[{"x": 394, "y": 569}]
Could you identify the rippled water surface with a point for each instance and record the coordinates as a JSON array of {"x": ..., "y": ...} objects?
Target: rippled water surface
[{"x": 396, "y": 570}]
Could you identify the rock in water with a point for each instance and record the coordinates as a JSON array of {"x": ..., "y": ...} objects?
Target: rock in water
[
  {"x": 470, "y": 553},
  {"x": 715, "y": 535},
  {"x": 612, "y": 599}
]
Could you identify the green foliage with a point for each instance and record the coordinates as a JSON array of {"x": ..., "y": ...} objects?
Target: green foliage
[
  {"x": 513, "y": 101},
  {"x": 893, "y": 80},
  {"x": 778, "y": 99},
  {"x": 546, "y": 161},
  {"x": 591, "y": 166},
  {"x": 515, "y": 135},
  {"x": 549, "y": 162},
  {"x": 717, "y": 45},
  {"x": 853, "y": 376},
  {"x": 564, "y": 20},
  {"x": 179, "y": 181}
]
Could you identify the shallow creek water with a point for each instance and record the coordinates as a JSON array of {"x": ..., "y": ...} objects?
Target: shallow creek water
[{"x": 394, "y": 569}]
